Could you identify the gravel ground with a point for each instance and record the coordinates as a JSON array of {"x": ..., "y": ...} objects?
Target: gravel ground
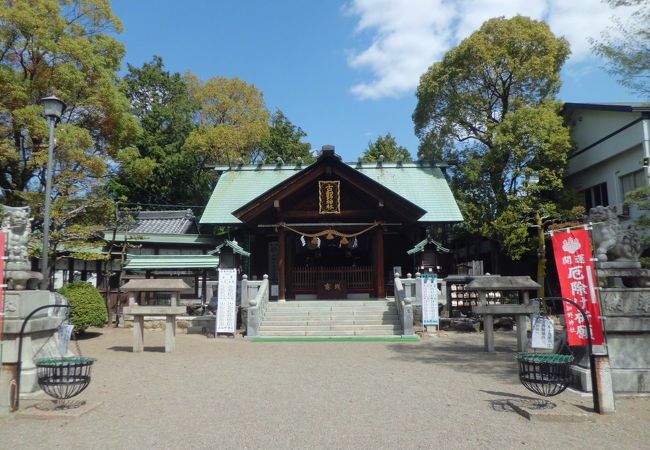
[{"x": 443, "y": 392}]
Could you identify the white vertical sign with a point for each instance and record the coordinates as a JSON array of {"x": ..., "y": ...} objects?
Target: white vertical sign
[
  {"x": 429, "y": 289},
  {"x": 227, "y": 303},
  {"x": 542, "y": 333}
]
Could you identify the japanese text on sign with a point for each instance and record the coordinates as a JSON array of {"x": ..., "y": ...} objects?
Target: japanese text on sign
[
  {"x": 429, "y": 289},
  {"x": 227, "y": 303},
  {"x": 575, "y": 268},
  {"x": 329, "y": 197},
  {"x": 542, "y": 332}
]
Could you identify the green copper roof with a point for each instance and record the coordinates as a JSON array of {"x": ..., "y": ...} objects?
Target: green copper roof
[
  {"x": 419, "y": 247},
  {"x": 233, "y": 245},
  {"x": 150, "y": 262},
  {"x": 420, "y": 183}
]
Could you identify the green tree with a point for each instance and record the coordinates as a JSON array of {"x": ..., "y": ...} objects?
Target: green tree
[
  {"x": 386, "y": 147},
  {"x": 488, "y": 105},
  {"x": 232, "y": 120},
  {"x": 626, "y": 47},
  {"x": 61, "y": 48},
  {"x": 150, "y": 171},
  {"x": 88, "y": 308},
  {"x": 285, "y": 142}
]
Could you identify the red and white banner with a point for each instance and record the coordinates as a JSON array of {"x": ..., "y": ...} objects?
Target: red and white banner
[
  {"x": 3, "y": 252},
  {"x": 575, "y": 269}
]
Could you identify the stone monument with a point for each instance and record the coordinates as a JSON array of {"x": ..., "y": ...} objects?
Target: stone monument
[
  {"x": 20, "y": 299},
  {"x": 624, "y": 289}
]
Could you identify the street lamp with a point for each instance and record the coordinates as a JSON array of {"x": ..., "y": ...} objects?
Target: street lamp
[{"x": 52, "y": 110}]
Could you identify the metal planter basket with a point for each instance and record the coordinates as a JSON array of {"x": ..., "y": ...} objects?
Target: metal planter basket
[
  {"x": 63, "y": 378},
  {"x": 546, "y": 374}
]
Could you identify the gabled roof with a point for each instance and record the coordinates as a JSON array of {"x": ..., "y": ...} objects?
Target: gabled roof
[
  {"x": 329, "y": 164},
  {"x": 233, "y": 245},
  {"x": 164, "y": 222},
  {"x": 419, "y": 183}
]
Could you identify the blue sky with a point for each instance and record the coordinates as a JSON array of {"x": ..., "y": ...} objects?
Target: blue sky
[{"x": 346, "y": 71}]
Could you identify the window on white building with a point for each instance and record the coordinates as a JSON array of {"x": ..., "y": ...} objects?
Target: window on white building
[
  {"x": 596, "y": 196},
  {"x": 632, "y": 181}
]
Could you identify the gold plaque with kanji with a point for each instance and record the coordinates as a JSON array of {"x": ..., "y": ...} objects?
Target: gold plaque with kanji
[{"x": 329, "y": 197}]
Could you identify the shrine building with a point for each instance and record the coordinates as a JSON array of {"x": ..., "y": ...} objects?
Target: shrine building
[{"x": 332, "y": 230}]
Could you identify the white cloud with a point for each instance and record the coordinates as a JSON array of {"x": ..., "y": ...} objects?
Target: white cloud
[{"x": 410, "y": 35}]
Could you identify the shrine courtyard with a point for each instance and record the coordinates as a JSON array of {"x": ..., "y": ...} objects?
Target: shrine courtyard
[{"x": 442, "y": 392}]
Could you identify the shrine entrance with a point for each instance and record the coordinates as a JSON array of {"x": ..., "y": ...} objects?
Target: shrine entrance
[
  {"x": 338, "y": 268},
  {"x": 330, "y": 230}
]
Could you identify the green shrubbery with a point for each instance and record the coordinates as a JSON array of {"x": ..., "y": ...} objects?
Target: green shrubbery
[{"x": 88, "y": 309}]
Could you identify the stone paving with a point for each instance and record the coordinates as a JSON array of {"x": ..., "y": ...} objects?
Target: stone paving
[{"x": 443, "y": 392}]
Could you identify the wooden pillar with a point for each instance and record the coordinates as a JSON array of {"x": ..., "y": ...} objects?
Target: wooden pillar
[
  {"x": 380, "y": 288},
  {"x": 281, "y": 265}
]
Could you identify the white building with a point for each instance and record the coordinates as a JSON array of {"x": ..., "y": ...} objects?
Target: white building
[{"x": 612, "y": 151}]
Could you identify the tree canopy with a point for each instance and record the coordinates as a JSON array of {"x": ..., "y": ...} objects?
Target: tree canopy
[
  {"x": 61, "y": 48},
  {"x": 150, "y": 171},
  {"x": 386, "y": 147},
  {"x": 285, "y": 142},
  {"x": 489, "y": 106},
  {"x": 626, "y": 47},
  {"x": 232, "y": 120}
]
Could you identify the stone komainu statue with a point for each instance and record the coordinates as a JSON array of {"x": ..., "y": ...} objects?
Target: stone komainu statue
[
  {"x": 15, "y": 222},
  {"x": 611, "y": 240}
]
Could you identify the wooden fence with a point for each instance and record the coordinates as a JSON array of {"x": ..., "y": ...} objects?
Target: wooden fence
[{"x": 307, "y": 278}]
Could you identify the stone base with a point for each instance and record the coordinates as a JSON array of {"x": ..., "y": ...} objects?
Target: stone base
[
  {"x": 624, "y": 381},
  {"x": 184, "y": 324},
  {"x": 38, "y": 335}
]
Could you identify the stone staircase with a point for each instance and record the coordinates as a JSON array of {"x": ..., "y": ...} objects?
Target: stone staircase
[{"x": 331, "y": 318}]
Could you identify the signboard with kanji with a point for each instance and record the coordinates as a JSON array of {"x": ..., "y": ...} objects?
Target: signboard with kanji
[
  {"x": 543, "y": 333},
  {"x": 227, "y": 303},
  {"x": 575, "y": 268},
  {"x": 429, "y": 289},
  {"x": 329, "y": 197}
]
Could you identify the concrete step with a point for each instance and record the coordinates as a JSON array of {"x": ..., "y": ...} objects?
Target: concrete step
[
  {"x": 326, "y": 309},
  {"x": 317, "y": 303},
  {"x": 331, "y": 315},
  {"x": 329, "y": 327},
  {"x": 331, "y": 333},
  {"x": 318, "y": 322}
]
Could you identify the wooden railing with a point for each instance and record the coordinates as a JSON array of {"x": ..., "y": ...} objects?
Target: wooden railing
[{"x": 357, "y": 278}]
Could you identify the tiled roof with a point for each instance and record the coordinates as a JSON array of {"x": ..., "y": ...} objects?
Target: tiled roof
[
  {"x": 164, "y": 222},
  {"x": 420, "y": 183}
]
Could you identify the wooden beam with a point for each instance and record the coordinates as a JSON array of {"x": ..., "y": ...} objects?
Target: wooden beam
[
  {"x": 281, "y": 264},
  {"x": 345, "y": 214}
]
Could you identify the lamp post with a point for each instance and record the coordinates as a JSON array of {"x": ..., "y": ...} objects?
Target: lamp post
[{"x": 52, "y": 110}]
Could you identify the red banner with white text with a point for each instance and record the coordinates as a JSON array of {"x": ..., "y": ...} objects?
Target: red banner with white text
[{"x": 575, "y": 269}]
